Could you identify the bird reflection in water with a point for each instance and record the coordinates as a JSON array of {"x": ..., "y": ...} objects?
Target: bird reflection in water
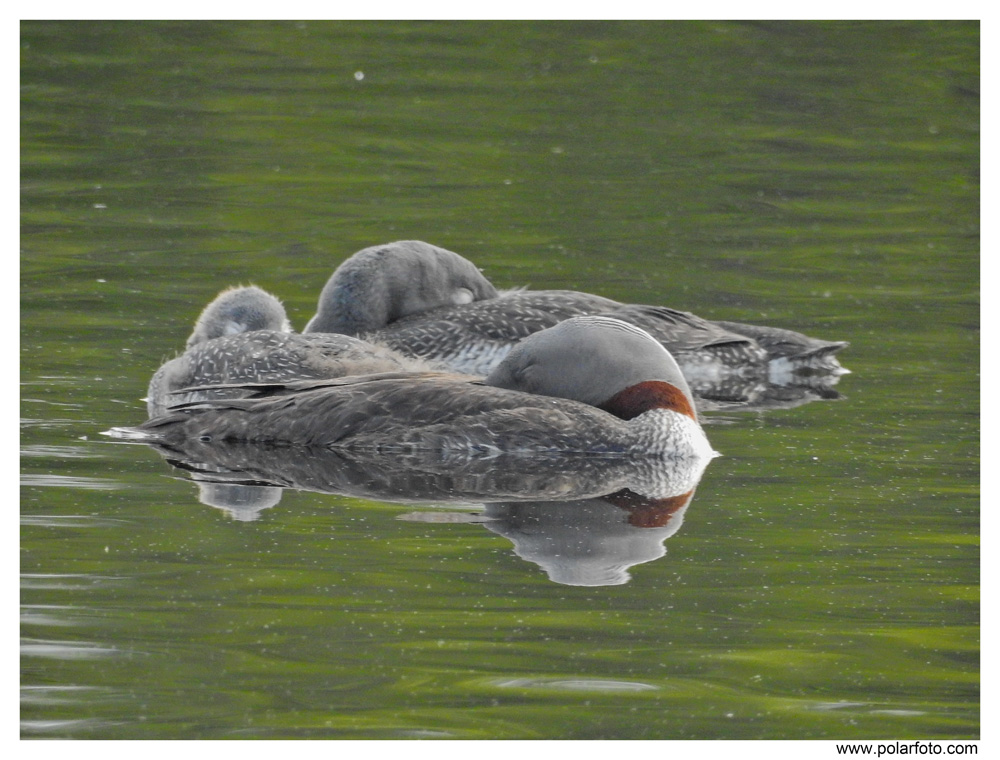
[{"x": 584, "y": 520}]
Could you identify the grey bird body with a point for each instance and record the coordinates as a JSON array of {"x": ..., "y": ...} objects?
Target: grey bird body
[
  {"x": 629, "y": 400},
  {"x": 219, "y": 353},
  {"x": 239, "y": 310},
  {"x": 466, "y": 325}
]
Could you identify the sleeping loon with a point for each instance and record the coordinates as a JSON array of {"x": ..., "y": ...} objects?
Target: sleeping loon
[
  {"x": 243, "y": 336},
  {"x": 431, "y": 303},
  {"x": 589, "y": 385},
  {"x": 239, "y": 310}
]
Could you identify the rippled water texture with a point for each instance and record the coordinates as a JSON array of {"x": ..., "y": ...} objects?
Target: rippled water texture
[{"x": 823, "y": 581}]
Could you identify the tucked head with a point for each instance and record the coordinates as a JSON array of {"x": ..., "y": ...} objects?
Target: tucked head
[
  {"x": 239, "y": 310},
  {"x": 600, "y": 361},
  {"x": 381, "y": 284}
]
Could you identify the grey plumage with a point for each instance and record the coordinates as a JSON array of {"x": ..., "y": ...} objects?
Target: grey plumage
[
  {"x": 381, "y": 284},
  {"x": 239, "y": 310},
  {"x": 587, "y": 359},
  {"x": 473, "y": 335},
  {"x": 461, "y": 416},
  {"x": 218, "y": 355}
]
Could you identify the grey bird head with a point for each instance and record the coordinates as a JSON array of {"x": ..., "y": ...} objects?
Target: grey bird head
[
  {"x": 381, "y": 284},
  {"x": 239, "y": 310},
  {"x": 589, "y": 359}
]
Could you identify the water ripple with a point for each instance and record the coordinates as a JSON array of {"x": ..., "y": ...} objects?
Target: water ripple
[
  {"x": 69, "y": 521},
  {"x": 63, "y": 452},
  {"x": 64, "y": 581},
  {"x": 62, "y": 726},
  {"x": 43, "y": 614},
  {"x": 575, "y": 684},
  {"x": 67, "y": 650},
  {"x": 56, "y": 695},
  {"x": 68, "y": 481}
]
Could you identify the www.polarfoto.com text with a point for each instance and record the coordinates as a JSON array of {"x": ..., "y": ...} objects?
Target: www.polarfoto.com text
[{"x": 886, "y": 749}]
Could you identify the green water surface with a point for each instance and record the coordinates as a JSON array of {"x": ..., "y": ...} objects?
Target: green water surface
[{"x": 816, "y": 176}]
